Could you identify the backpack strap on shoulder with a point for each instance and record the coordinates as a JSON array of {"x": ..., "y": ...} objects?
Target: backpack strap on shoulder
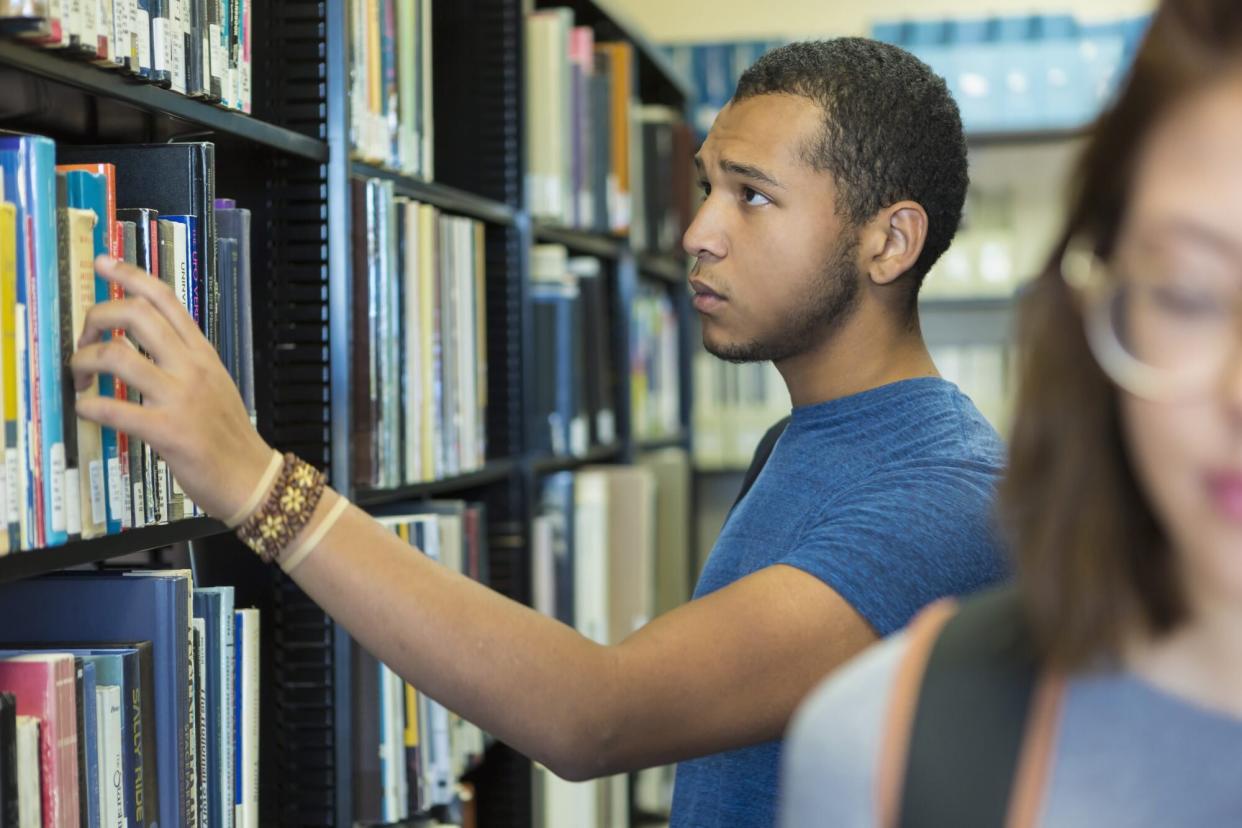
[
  {"x": 762, "y": 452},
  {"x": 972, "y": 748},
  {"x": 903, "y": 699}
]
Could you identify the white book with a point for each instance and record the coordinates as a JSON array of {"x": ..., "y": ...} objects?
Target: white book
[
  {"x": 73, "y": 22},
  {"x": 396, "y": 789},
  {"x": 427, "y": 162},
  {"x": 591, "y": 607},
  {"x": 467, "y": 398},
  {"x": 29, "y": 801},
  {"x": 247, "y": 642},
  {"x": 24, "y": 517},
  {"x": 122, "y": 30},
  {"x": 412, "y": 358},
  {"x": 178, "y": 14},
  {"x": 110, "y": 762}
]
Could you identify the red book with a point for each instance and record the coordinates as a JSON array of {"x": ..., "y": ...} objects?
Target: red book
[{"x": 44, "y": 686}]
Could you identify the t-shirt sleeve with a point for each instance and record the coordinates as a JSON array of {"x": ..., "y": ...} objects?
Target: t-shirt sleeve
[
  {"x": 832, "y": 748},
  {"x": 901, "y": 541}
]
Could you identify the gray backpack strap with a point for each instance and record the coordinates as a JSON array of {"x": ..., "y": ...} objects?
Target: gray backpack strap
[{"x": 979, "y": 735}]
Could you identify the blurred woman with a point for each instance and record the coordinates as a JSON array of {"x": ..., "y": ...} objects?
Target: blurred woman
[{"x": 1106, "y": 688}]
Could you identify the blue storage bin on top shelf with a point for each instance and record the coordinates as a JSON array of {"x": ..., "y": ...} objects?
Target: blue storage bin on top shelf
[{"x": 1023, "y": 73}]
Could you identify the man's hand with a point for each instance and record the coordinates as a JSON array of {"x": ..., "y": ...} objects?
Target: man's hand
[{"x": 191, "y": 412}]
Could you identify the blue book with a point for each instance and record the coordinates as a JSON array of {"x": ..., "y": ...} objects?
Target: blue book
[
  {"x": 89, "y": 191},
  {"x": 88, "y": 742},
  {"x": 239, "y": 658},
  {"x": 215, "y": 606},
  {"x": 186, "y": 282},
  {"x": 29, "y": 163},
  {"x": 121, "y": 607}
]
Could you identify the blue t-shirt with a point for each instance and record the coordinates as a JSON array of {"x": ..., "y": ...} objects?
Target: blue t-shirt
[{"x": 886, "y": 496}]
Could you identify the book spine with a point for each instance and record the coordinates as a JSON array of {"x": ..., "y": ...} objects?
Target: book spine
[
  {"x": 119, "y": 482},
  {"x": 161, "y": 43},
  {"x": 13, "y": 472},
  {"x": 26, "y": 480},
  {"x": 42, "y": 184},
  {"x": 77, "y": 248}
]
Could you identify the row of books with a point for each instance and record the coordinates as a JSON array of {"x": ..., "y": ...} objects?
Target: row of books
[
  {"x": 664, "y": 184},
  {"x": 66, "y": 478},
  {"x": 127, "y": 699},
  {"x": 655, "y": 364},
  {"x": 410, "y": 751},
  {"x": 609, "y": 552},
  {"x": 579, "y": 97},
  {"x": 390, "y": 84},
  {"x": 419, "y": 346},
  {"x": 199, "y": 48},
  {"x": 597, "y": 159},
  {"x": 575, "y": 379},
  {"x": 734, "y": 406}
]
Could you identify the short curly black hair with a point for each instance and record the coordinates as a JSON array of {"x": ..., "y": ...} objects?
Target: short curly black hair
[{"x": 891, "y": 130}]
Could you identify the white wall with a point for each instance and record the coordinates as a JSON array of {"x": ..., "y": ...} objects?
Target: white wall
[{"x": 669, "y": 21}]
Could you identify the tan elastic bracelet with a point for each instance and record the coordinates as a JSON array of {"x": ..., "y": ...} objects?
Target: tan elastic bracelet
[
  {"x": 290, "y": 561},
  {"x": 252, "y": 502}
]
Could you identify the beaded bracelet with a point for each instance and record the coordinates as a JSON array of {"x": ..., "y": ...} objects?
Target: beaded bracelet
[{"x": 286, "y": 511}]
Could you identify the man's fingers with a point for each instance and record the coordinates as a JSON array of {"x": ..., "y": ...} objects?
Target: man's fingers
[
  {"x": 121, "y": 359},
  {"x": 138, "y": 282}
]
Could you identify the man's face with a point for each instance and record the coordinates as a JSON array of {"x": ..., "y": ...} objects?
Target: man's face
[{"x": 776, "y": 267}]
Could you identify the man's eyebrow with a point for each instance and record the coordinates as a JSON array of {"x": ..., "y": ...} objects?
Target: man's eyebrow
[
  {"x": 749, "y": 171},
  {"x": 737, "y": 168}
]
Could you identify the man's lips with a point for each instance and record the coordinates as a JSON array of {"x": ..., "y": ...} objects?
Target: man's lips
[{"x": 705, "y": 299}]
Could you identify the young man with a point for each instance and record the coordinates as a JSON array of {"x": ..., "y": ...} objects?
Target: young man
[{"x": 834, "y": 180}]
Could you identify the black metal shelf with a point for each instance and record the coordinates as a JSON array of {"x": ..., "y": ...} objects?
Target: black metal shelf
[
  {"x": 168, "y": 113},
  {"x": 555, "y": 463},
  {"x": 671, "y": 269},
  {"x": 494, "y": 472},
  {"x": 680, "y": 439},
  {"x": 582, "y": 241},
  {"x": 440, "y": 195},
  {"x": 18, "y": 565},
  {"x": 1024, "y": 137}
]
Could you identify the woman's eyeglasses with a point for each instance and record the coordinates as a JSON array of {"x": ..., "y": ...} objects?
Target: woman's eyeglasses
[{"x": 1159, "y": 335}]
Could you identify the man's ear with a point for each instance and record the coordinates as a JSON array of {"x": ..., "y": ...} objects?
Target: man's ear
[{"x": 894, "y": 241}]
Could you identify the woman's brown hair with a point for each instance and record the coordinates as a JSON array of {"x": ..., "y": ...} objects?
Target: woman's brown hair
[{"x": 1092, "y": 557}]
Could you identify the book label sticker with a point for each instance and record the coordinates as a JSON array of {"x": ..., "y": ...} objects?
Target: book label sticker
[
  {"x": 141, "y": 49},
  {"x": 116, "y": 491},
  {"x": 73, "y": 502},
  {"x": 12, "y": 512},
  {"x": 57, "y": 455},
  {"x": 140, "y": 507},
  {"x": 98, "y": 501}
]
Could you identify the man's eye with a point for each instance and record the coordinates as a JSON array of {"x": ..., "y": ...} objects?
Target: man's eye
[
  {"x": 705, "y": 187},
  {"x": 754, "y": 198}
]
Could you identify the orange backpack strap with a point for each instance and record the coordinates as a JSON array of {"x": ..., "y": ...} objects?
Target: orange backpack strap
[
  {"x": 972, "y": 721},
  {"x": 1038, "y": 746},
  {"x": 891, "y": 774}
]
